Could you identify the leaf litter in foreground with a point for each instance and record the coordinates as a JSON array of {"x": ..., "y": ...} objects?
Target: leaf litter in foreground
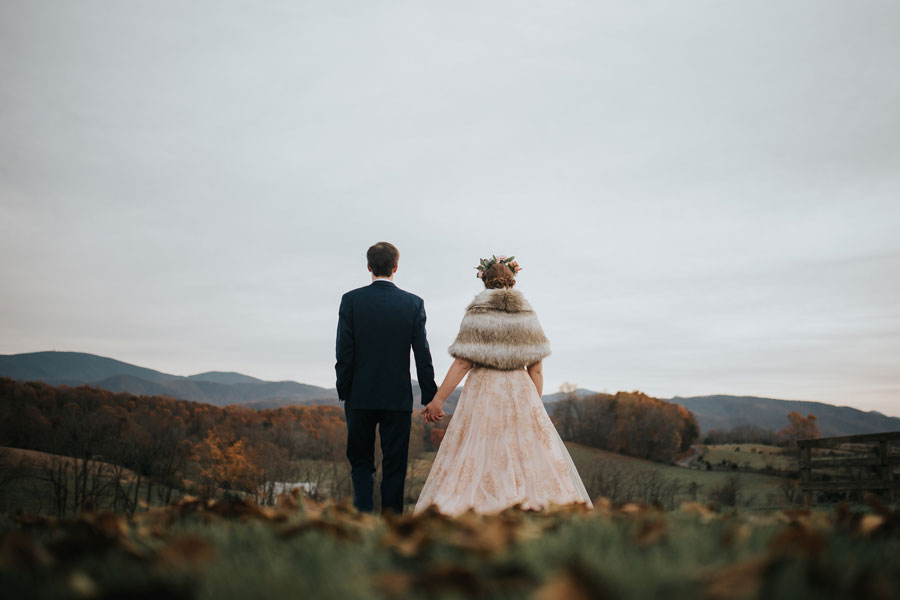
[{"x": 568, "y": 552}]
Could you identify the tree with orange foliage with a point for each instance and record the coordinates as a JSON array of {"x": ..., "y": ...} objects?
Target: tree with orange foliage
[
  {"x": 631, "y": 423},
  {"x": 226, "y": 463},
  {"x": 799, "y": 428}
]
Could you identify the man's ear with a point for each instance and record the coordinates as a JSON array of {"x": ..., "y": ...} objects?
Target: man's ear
[
  {"x": 369, "y": 267},
  {"x": 395, "y": 268}
]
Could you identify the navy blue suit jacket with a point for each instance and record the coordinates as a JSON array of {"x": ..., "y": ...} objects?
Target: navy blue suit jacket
[{"x": 377, "y": 325}]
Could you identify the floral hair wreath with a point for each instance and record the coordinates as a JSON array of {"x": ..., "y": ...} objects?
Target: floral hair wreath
[{"x": 487, "y": 263}]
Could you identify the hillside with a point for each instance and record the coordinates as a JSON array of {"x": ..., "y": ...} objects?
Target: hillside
[
  {"x": 224, "y": 377},
  {"x": 19, "y": 458},
  {"x": 224, "y": 388},
  {"x": 214, "y": 387},
  {"x": 724, "y": 412},
  {"x": 71, "y": 368}
]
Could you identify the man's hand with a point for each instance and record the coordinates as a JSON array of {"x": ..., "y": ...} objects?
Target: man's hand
[{"x": 433, "y": 412}]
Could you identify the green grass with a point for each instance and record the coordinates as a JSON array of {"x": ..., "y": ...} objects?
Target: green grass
[
  {"x": 212, "y": 552},
  {"x": 758, "y": 490},
  {"x": 750, "y": 456}
]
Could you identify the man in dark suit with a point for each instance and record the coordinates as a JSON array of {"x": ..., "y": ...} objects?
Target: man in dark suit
[{"x": 377, "y": 325}]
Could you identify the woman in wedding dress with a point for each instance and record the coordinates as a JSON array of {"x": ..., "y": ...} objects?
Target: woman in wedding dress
[{"x": 500, "y": 448}]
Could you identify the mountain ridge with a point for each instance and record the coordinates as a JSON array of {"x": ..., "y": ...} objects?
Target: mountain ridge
[
  {"x": 222, "y": 388},
  {"x": 723, "y": 411}
]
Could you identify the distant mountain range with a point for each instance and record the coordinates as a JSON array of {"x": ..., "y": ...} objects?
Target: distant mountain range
[
  {"x": 224, "y": 388},
  {"x": 215, "y": 387},
  {"x": 724, "y": 412}
]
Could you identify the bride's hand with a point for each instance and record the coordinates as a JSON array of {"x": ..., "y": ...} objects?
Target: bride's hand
[{"x": 433, "y": 412}]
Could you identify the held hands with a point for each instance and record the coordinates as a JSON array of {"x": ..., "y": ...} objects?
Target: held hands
[{"x": 433, "y": 411}]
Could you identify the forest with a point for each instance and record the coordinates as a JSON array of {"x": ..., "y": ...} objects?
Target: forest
[
  {"x": 630, "y": 423},
  {"x": 120, "y": 451}
]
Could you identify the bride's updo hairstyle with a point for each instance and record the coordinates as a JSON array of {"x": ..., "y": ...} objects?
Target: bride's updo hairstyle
[{"x": 498, "y": 276}]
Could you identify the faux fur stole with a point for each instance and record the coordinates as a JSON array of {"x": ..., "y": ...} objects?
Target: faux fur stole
[{"x": 500, "y": 330}]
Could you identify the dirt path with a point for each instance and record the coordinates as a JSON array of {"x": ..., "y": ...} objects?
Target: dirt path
[{"x": 685, "y": 461}]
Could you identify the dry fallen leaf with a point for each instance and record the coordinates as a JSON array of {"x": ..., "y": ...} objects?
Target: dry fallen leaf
[
  {"x": 798, "y": 539},
  {"x": 650, "y": 531},
  {"x": 741, "y": 581},
  {"x": 870, "y": 523},
  {"x": 634, "y": 508},
  {"x": 602, "y": 504},
  {"x": 877, "y": 504},
  {"x": 573, "y": 583},
  {"x": 337, "y": 529},
  {"x": 18, "y": 550},
  {"x": 36, "y": 521},
  {"x": 486, "y": 537},
  {"x": 393, "y": 583},
  {"x": 563, "y": 587},
  {"x": 111, "y": 525},
  {"x": 448, "y": 578},
  {"x": 735, "y": 534},
  {"x": 188, "y": 550},
  {"x": 81, "y": 584},
  {"x": 696, "y": 508}
]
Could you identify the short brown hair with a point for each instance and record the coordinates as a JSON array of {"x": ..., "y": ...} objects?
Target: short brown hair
[
  {"x": 498, "y": 276},
  {"x": 382, "y": 258}
]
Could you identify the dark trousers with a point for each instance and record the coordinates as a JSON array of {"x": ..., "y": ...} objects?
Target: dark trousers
[{"x": 393, "y": 427}]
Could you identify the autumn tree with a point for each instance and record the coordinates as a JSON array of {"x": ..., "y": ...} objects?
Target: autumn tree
[
  {"x": 154, "y": 446},
  {"x": 630, "y": 423},
  {"x": 798, "y": 428},
  {"x": 226, "y": 463}
]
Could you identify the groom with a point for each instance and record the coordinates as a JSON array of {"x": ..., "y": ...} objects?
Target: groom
[{"x": 377, "y": 324}]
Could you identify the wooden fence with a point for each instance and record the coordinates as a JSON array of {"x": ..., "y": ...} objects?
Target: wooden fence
[{"x": 853, "y": 463}]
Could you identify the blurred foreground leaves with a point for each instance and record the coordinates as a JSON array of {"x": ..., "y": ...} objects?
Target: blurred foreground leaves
[{"x": 236, "y": 549}]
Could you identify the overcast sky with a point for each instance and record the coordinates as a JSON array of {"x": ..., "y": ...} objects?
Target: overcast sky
[{"x": 704, "y": 195}]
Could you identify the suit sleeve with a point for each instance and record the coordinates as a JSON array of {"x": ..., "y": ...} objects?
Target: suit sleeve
[
  {"x": 344, "y": 350},
  {"x": 424, "y": 368}
]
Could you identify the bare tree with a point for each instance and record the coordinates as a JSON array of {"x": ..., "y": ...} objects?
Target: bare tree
[
  {"x": 13, "y": 469},
  {"x": 730, "y": 492}
]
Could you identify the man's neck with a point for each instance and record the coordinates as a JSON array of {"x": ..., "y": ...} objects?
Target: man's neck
[{"x": 391, "y": 278}]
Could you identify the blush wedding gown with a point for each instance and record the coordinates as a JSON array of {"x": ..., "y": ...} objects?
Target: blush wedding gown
[{"x": 500, "y": 449}]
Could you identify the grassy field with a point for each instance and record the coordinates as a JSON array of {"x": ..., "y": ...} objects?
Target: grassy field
[
  {"x": 620, "y": 478},
  {"x": 757, "y": 490},
  {"x": 625, "y": 479},
  {"x": 750, "y": 456},
  {"x": 24, "y": 483},
  {"x": 232, "y": 549}
]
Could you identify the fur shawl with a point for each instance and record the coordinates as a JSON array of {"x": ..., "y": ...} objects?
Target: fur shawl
[{"x": 500, "y": 330}]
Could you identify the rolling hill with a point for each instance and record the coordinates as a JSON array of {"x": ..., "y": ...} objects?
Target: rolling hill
[
  {"x": 224, "y": 377},
  {"x": 214, "y": 387},
  {"x": 71, "y": 368},
  {"x": 724, "y": 412},
  {"x": 224, "y": 388}
]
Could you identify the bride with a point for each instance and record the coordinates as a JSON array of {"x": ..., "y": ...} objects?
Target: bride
[{"x": 500, "y": 448}]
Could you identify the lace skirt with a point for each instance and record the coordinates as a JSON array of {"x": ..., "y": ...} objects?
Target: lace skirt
[{"x": 500, "y": 449}]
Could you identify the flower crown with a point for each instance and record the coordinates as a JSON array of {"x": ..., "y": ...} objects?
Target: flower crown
[{"x": 487, "y": 263}]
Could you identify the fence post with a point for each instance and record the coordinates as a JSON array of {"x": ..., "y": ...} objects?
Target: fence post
[
  {"x": 887, "y": 470},
  {"x": 805, "y": 466}
]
